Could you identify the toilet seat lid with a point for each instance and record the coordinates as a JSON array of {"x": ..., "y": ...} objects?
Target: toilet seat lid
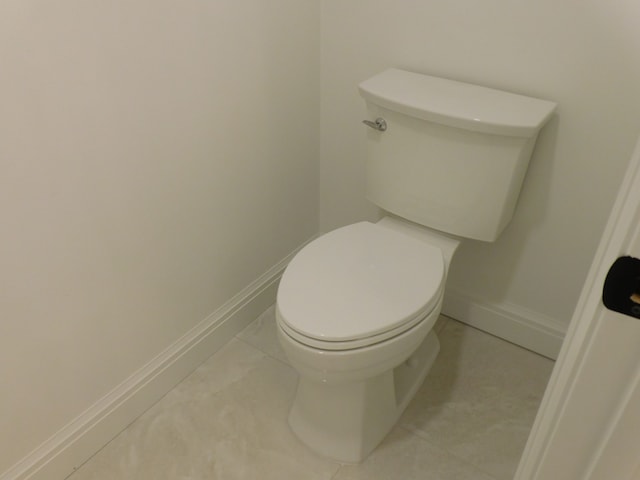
[{"x": 360, "y": 281}]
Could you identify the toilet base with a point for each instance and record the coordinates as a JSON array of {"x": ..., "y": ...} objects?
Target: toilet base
[{"x": 346, "y": 421}]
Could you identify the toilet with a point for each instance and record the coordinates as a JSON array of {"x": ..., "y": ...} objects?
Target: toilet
[{"x": 356, "y": 307}]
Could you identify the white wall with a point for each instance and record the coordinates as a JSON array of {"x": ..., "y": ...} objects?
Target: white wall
[
  {"x": 155, "y": 158},
  {"x": 583, "y": 55}
]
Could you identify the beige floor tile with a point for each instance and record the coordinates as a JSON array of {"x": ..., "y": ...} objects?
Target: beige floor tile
[
  {"x": 226, "y": 421},
  {"x": 261, "y": 333},
  {"x": 440, "y": 324},
  {"x": 480, "y": 399},
  {"x": 405, "y": 456}
]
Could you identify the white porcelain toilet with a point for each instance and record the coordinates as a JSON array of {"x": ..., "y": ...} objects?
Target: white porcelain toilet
[{"x": 356, "y": 307}]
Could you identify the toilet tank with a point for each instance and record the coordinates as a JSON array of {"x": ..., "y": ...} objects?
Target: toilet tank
[{"x": 453, "y": 156}]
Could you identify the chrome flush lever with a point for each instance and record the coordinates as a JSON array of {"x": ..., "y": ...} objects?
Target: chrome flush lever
[{"x": 380, "y": 124}]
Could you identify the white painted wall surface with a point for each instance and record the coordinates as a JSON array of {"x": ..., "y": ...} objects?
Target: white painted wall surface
[
  {"x": 155, "y": 158},
  {"x": 583, "y": 55}
]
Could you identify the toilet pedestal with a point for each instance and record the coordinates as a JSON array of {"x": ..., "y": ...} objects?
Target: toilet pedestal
[{"x": 346, "y": 421}]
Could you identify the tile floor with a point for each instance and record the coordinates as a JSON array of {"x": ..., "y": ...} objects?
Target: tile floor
[{"x": 228, "y": 420}]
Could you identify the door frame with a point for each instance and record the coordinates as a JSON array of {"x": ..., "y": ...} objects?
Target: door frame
[{"x": 585, "y": 416}]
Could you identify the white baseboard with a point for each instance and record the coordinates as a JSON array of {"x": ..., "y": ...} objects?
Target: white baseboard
[
  {"x": 529, "y": 329},
  {"x": 70, "y": 447}
]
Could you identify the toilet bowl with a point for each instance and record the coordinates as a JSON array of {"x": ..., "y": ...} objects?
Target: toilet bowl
[
  {"x": 356, "y": 307},
  {"x": 355, "y": 313}
]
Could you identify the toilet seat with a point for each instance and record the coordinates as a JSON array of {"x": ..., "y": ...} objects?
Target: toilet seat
[{"x": 357, "y": 286}]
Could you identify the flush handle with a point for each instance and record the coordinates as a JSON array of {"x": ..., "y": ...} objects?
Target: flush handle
[
  {"x": 621, "y": 292},
  {"x": 380, "y": 124}
]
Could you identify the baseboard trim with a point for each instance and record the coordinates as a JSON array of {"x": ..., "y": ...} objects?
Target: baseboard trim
[
  {"x": 529, "y": 329},
  {"x": 64, "y": 452}
]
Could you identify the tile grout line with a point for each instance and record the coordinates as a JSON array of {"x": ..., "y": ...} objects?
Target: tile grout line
[
  {"x": 246, "y": 342},
  {"x": 445, "y": 449},
  {"x": 335, "y": 475}
]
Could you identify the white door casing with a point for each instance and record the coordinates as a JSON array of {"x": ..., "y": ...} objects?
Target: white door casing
[{"x": 588, "y": 425}]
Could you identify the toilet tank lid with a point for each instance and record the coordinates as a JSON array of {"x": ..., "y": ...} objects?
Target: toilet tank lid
[{"x": 457, "y": 104}]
